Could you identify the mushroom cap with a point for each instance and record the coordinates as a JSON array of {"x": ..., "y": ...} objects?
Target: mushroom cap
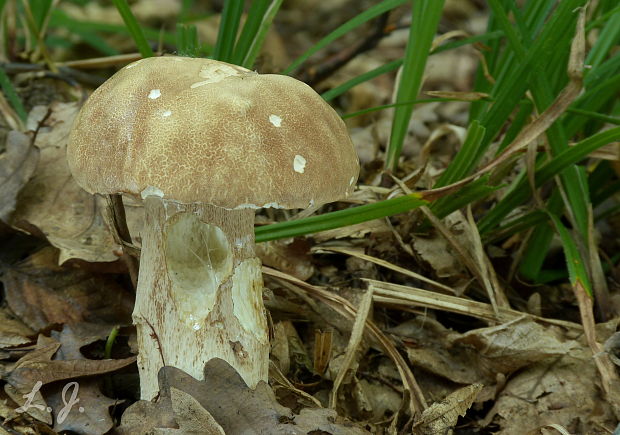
[{"x": 199, "y": 130}]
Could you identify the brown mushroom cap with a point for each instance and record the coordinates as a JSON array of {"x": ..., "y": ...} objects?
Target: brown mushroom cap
[{"x": 200, "y": 130}]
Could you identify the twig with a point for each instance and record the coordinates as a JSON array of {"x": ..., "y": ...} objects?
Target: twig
[{"x": 327, "y": 67}]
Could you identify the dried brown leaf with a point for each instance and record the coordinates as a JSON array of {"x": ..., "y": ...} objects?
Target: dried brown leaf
[
  {"x": 234, "y": 406},
  {"x": 563, "y": 390},
  {"x": 52, "y": 204},
  {"x": 516, "y": 344},
  {"x": 42, "y": 293},
  {"x": 289, "y": 257},
  {"x": 441, "y": 417},
  {"x": 13, "y": 332},
  {"x": 17, "y": 164},
  {"x": 37, "y": 367},
  {"x": 90, "y": 415},
  {"x": 191, "y": 417}
]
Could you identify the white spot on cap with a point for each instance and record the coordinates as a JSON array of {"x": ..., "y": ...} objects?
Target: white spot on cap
[
  {"x": 299, "y": 164},
  {"x": 275, "y": 120},
  {"x": 167, "y": 113},
  {"x": 154, "y": 94},
  {"x": 151, "y": 191},
  {"x": 196, "y": 327},
  {"x": 351, "y": 181}
]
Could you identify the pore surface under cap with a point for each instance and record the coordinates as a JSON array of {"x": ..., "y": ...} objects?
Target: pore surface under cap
[{"x": 205, "y": 131}]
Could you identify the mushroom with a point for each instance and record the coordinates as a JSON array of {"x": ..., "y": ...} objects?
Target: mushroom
[{"x": 205, "y": 143}]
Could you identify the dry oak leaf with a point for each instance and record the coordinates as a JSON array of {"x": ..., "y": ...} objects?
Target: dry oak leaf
[
  {"x": 17, "y": 164},
  {"x": 41, "y": 293},
  {"x": 37, "y": 368},
  {"x": 235, "y": 407},
  {"x": 89, "y": 415},
  {"x": 563, "y": 390},
  {"x": 51, "y": 204},
  {"x": 13, "y": 332}
]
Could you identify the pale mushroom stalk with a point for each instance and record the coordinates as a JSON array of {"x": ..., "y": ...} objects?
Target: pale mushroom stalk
[
  {"x": 200, "y": 288},
  {"x": 204, "y": 144}
]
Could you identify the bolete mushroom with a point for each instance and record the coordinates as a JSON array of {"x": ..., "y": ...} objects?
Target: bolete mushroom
[{"x": 205, "y": 143}]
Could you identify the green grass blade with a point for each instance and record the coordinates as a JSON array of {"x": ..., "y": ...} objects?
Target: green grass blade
[
  {"x": 134, "y": 28},
  {"x": 250, "y": 29},
  {"x": 425, "y": 19},
  {"x": 259, "y": 38},
  {"x": 395, "y": 64},
  {"x": 62, "y": 20},
  {"x": 227, "y": 33},
  {"x": 93, "y": 40},
  {"x": 369, "y": 75},
  {"x": 404, "y": 103},
  {"x": 515, "y": 226},
  {"x": 187, "y": 41},
  {"x": 576, "y": 266},
  {"x": 337, "y": 219},
  {"x": 369, "y": 14},
  {"x": 461, "y": 164},
  {"x": 595, "y": 115},
  {"x": 521, "y": 192},
  {"x": 539, "y": 242},
  {"x": 510, "y": 87},
  {"x": 472, "y": 192},
  {"x": 608, "y": 37},
  {"x": 11, "y": 95}
]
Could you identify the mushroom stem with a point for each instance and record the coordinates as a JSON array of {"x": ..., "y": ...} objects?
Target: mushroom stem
[{"x": 199, "y": 292}]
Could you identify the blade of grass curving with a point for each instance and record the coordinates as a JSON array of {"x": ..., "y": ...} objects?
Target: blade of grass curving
[
  {"x": 367, "y": 15},
  {"x": 40, "y": 10},
  {"x": 576, "y": 266},
  {"x": 134, "y": 28},
  {"x": 539, "y": 242},
  {"x": 95, "y": 41},
  {"x": 261, "y": 34},
  {"x": 509, "y": 89},
  {"x": 60, "y": 19},
  {"x": 395, "y": 64},
  {"x": 341, "y": 218},
  {"x": 474, "y": 191},
  {"x": 515, "y": 226},
  {"x": 460, "y": 165},
  {"x": 404, "y": 103},
  {"x": 543, "y": 97},
  {"x": 425, "y": 18},
  {"x": 485, "y": 37},
  {"x": 250, "y": 29},
  {"x": 518, "y": 123},
  {"x": 11, "y": 96},
  {"x": 595, "y": 115},
  {"x": 227, "y": 32},
  {"x": 369, "y": 75},
  {"x": 544, "y": 173},
  {"x": 608, "y": 37}
]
